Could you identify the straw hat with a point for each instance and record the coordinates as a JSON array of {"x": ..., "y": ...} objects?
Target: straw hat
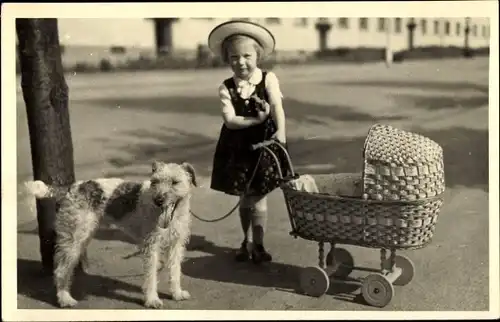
[{"x": 240, "y": 27}]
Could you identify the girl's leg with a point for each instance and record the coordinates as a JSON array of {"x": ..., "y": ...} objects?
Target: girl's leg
[
  {"x": 246, "y": 221},
  {"x": 246, "y": 218},
  {"x": 259, "y": 221}
]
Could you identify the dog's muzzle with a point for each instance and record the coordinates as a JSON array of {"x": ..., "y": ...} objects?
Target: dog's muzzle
[
  {"x": 158, "y": 202},
  {"x": 168, "y": 210}
]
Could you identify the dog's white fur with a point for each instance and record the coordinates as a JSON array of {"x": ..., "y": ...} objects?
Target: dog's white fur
[{"x": 156, "y": 213}]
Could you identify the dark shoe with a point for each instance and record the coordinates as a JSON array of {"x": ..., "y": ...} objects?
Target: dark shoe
[
  {"x": 259, "y": 255},
  {"x": 242, "y": 255}
]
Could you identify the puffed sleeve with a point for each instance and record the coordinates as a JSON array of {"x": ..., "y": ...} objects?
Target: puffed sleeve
[
  {"x": 273, "y": 85},
  {"x": 225, "y": 101}
]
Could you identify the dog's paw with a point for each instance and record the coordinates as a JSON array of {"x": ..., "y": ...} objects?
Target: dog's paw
[
  {"x": 66, "y": 300},
  {"x": 153, "y": 303},
  {"x": 181, "y": 295}
]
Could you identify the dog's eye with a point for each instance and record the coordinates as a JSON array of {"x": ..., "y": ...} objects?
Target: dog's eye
[
  {"x": 154, "y": 181},
  {"x": 174, "y": 182}
]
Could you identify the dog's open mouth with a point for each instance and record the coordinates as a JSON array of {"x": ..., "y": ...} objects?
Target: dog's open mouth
[{"x": 167, "y": 214}]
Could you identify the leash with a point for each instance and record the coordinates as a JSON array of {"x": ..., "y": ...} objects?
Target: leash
[
  {"x": 256, "y": 146},
  {"x": 239, "y": 201}
]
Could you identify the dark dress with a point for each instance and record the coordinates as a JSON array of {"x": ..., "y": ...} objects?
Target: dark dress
[{"x": 234, "y": 161}]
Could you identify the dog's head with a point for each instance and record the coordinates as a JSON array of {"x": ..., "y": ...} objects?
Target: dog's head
[{"x": 171, "y": 182}]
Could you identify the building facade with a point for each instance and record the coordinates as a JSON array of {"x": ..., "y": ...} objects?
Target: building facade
[
  {"x": 291, "y": 33},
  {"x": 92, "y": 39}
]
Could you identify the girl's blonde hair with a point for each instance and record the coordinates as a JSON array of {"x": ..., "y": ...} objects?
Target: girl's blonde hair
[{"x": 231, "y": 40}]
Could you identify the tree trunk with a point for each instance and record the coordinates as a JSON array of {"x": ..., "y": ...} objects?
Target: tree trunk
[
  {"x": 467, "y": 50},
  {"x": 411, "y": 34},
  {"x": 389, "y": 55},
  {"x": 45, "y": 94},
  {"x": 323, "y": 28},
  {"x": 163, "y": 35}
]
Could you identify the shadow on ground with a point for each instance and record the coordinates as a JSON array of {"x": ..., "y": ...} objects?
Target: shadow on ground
[
  {"x": 295, "y": 109},
  {"x": 452, "y": 94},
  {"x": 424, "y": 85},
  {"x": 465, "y": 154},
  {"x": 280, "y": 276},
  {"x": 217, "y": 264},
  {"x": 31, "y": 283},
  {"x": 465, "y": 150}
]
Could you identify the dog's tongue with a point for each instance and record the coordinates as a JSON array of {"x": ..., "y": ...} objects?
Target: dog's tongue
[{"x": 166, "y": 215}]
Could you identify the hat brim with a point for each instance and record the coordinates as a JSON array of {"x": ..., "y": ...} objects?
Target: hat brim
[{"x": 236, "y": 27}]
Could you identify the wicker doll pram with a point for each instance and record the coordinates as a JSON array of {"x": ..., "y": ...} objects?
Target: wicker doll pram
[{"x": 403, "y": 182}]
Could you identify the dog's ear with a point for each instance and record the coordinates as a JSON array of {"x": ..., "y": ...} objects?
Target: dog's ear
[
  {"x": 190, "y": 171},
  {"x": 155, "y": 166}
]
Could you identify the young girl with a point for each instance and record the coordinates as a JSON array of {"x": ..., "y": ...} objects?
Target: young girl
[{"x": 252, "y": 112}]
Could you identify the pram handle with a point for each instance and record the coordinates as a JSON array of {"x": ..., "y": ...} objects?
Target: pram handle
[{"x": 265, "y": 145}]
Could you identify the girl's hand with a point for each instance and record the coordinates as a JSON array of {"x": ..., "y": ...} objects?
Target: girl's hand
[
  {"x": 261, "y": 104},
  {"x": 280, "y": 137},
  {"x": 263, "y": 112}
]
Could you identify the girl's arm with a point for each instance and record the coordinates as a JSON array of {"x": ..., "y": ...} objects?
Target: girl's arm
[
  {"x": 231, "y": 120},
  {"x": 275, "y": 100}
]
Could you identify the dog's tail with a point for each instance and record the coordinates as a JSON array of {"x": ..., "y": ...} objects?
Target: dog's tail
[{"x": 39, "y": 189}]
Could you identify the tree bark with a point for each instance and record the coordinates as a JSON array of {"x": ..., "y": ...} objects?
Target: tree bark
[
  {"x": 45, "y": 94},
  {"x": 323, "y": 27},
  {"x": 467, "y": 50},
  {"x": 163, "y": 35},
  {"x": 411, "y": 33}
]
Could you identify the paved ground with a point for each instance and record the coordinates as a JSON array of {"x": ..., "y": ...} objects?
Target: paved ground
[{"x": 121, "y": 122}]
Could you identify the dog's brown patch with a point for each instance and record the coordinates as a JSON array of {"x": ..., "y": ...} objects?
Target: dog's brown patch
[
  {"x": 123, "y": 200},
  {"x": 93, "y": 193}
]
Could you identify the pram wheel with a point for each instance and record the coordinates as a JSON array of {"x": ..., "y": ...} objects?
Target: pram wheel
[
  {"x": 407, "y": 270},
  {"x": 342, "y": 260},
  {"x": 377, "y": 290},
  {"x": 314, "y": 281}
]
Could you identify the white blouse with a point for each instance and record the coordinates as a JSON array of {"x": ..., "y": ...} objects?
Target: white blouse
[{"x": 245, "y": 89}]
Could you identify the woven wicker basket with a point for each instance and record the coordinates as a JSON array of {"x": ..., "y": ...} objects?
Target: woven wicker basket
[
  {"x": 403, "y": 182},
  {"x": 400, "y": 165},
  {"x": 368, "y": 223}
]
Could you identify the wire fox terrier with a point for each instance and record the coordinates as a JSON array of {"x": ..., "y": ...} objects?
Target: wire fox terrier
[{"x": 155, "y": 213}]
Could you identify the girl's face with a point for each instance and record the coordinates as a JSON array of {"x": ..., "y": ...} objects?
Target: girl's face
[{"x": 242, "y": 56}]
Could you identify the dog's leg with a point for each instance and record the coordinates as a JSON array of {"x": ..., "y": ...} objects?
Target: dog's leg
[
  {"x": 66, "y": 258},
  {"x": 73, "y": 236},
  {"x": 175, "y": 256},
  {"x": 84, "y": 258},
  {"x": 150, "y": 286}
]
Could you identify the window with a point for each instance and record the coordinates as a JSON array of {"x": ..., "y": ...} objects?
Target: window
[
  {"x": 423, "y": 25},
  {"x": 343, "y": 23},
  {"x": 118, "y": 50},
  {"x": 447, "y": 28},
  {"x": 474, "y": 30},
  {"x": 273, "y": 21},
  {"x": 436, "y": 27},
  {"x": 301, "y": 22},
  {"x": 381, "y": 24},
  {"x": 485, "y": 31},
  {"x": 363, "y": 23},
  {"x": 458, "y": 29},
  {"x": 398, "y": 25}
]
